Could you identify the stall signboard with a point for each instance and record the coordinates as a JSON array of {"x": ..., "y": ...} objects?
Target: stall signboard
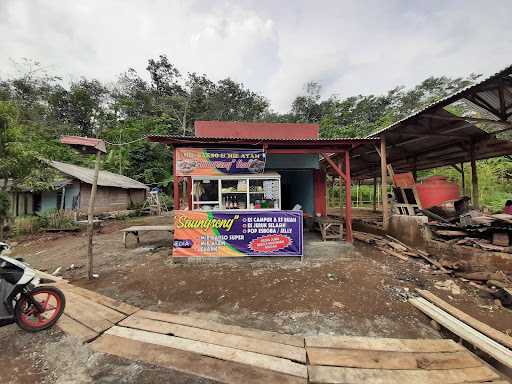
[
  {"x": 215, "y": 162},
  {"x": 243, "y": 233}
]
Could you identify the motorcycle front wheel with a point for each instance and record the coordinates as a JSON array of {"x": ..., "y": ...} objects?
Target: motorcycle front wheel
[{"x": 27, "y": 316}]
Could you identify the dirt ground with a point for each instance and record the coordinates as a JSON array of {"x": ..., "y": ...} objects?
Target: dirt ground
[{"x": 361, "y": 292}]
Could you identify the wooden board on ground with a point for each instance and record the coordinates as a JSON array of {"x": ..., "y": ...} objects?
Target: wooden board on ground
[
  {"x": 464, "y": 331},
  {"x": 352, "y": 358},
  {"x": 79, "y": 311},
  {"x": 493, "y": 333},
  {"x": 223, "y": 328},
  {"x": 45, "y": 275},
  {"x": 334, "y": 375},
  {"x": 235, "y": 341},
  {"x": 257, "y": 360},
  {"x": 145, "y": 228},
  {"x": 119, "y": 306},
  {"x": 383, "y": 344},
  {"x": 75, "y": 329},
  {"x": 190, "y": 363},
  {"x": 98, "y": 310}
]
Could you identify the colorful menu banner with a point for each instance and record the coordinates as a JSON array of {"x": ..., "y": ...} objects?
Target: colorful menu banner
[
  {"x": 242, "y": 233},
  {"x": 215, "y": 162}
]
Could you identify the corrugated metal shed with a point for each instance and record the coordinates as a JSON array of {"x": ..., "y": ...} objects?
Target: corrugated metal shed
[
  {"x": 105, "y": 178},
  {"x": 433, "y": 137}
]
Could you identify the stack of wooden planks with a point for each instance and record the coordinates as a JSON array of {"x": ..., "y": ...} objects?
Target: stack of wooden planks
[
  {"x": 232, "y": 354},
  {"x": 88, "y": 314},
  {"x": 487, "y": 339},
  {"x": 346, "y": 359},
  {"x": 228, "y": 354}
]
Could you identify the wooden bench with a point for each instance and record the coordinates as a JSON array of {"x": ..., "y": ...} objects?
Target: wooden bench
[
  {"x": 331, "y": 228},
  {"x": 145, "y": 228}
]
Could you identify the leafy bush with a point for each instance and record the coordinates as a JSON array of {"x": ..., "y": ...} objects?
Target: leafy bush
[
  {"x": 26, "y": 225},
  {"x": 56, "y": 219}
]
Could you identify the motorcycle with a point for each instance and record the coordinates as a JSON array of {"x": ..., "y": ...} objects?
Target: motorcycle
[{"x": 23, "y": 300}]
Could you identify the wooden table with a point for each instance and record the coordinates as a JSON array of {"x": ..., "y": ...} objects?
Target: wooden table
[
  {"x": 145, "y": 228},
  {"x": 331, "y": 228}
]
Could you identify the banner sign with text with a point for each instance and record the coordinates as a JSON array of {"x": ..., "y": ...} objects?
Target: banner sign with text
[
  {"x": 242, "y": 233},
  {"x": 215, "y": 162}
]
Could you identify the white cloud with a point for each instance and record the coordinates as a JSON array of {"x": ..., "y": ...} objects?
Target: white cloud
[{"x": 272, "y": 47}]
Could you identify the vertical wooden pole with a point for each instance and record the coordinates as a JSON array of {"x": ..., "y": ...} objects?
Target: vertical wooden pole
[
  {"x": 384, "y": 182},
  {"x": 348, "y": 198},
  {"x": 475, "y": 195},
  {"x": 342, "y": 214},
  {"x": 374, "y": 198},
  {"x": 90, "y": 215},
  {"x": 463, "y": 178},
  {"x": 175, "y": 183}
]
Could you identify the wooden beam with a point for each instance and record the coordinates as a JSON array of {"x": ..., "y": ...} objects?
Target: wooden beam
[
  {"x": 475, "y": 194},
  {"x": 348, "y": 200},
  {"x": 384, "y": 183},
  {"x": 469, "y": 118},
  {"x": 90, "y": 215},
  {"x": 374, "y": 198},
  {"x": 333, "y": 165},
  {"x": 456, "y": 167},
  {"x": 464, "y": 331},
  {"x": 491, "y": 332}
]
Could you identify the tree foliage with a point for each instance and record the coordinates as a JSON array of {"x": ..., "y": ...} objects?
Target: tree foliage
[{"x": 36, "y": 108}]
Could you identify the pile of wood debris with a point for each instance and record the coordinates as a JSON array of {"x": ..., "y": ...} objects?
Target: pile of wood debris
[
  {"x": 475, "y": 229},
  {"x": 498, "y": 284},
  {"x": 394, "y": 247}
]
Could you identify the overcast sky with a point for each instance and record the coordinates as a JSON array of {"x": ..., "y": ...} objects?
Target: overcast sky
[{"x": 273, "y": 47}]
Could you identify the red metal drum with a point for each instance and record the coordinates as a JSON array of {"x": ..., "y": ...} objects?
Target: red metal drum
[{"x": 437, "y": 190}]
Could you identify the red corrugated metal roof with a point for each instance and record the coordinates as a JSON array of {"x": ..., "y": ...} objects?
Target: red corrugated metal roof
[
  {"x": 258, "y": 130},
  {"x": 324, "y": 145}
]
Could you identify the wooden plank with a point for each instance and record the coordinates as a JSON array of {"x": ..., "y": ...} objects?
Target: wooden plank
[
  {"x": 272, "y": 363},
  {"x": 145, "y": 228},
  {"x": 491, "y": 332},
  {"x": 391, "y": 360},
  {"x": 48, "y": 276},
  {"x": 479, "y": 340},
  {"x": 119, "y": 306},
  {"x": 75, "y": 329},
  {"x": 77, "y": 311},
  {"x": 99, "y": 310},
  {"x": 383, "y": 344},
  {"x": 334, "y": 375},
  {"x": 219, "y": 327},
  {"x": 235, "y": 341},
  {"x": 190, "y": 363}
]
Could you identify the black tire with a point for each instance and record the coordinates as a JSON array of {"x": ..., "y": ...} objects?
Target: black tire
[{"x": 19, "y": 308}]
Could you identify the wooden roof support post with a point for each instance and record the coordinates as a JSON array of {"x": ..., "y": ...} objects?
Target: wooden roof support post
[
  {"x": 374, "y": 197},
  {"x": 384, "y": 182},
  {"x": 475, "y": 194},
  {"x": 175, "y": 183},
  {"x": 348, "y": 199}
]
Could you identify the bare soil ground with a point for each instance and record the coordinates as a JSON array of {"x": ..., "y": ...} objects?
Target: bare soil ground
[{"x": 362, "y": 292}]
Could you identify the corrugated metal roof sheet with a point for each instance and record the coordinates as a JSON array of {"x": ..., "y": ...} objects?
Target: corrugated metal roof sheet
[
  {"x": 488, "y": 95},
  {"x": 105, "y": 178},
  {"x": 158, "y": 138},
  {"x": 216, "y": 128},
  {"x": 79, "y": 141}
]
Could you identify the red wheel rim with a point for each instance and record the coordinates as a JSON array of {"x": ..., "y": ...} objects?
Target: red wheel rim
[{"x": 51, "y": 304}]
